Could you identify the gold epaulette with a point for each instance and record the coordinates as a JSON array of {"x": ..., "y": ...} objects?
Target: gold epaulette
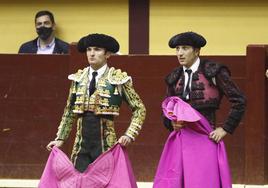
[
  {"x": 78, "y": 75},
  {"x": 117, "y": 77}
]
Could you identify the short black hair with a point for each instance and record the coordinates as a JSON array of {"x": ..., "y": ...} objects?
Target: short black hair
[{"x": 44, "y": 13}]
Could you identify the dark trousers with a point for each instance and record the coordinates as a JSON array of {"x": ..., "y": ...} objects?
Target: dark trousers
[{"x": 91, "y": 145}]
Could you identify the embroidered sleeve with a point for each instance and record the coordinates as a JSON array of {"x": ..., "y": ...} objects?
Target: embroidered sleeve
[
  {"x": 235, "y": 97},
  {"x": 171, "y": 81},
  {"x": 68, "y": 117},
  {"x": 137, "y": 107}
]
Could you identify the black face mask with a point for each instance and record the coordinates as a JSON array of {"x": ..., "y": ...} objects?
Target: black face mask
[{"x": 44, "y": 32}]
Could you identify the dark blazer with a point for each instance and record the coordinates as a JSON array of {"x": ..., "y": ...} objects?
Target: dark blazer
[
  {"x": 30, "y": 47},
  {"x": 224, "y": 84}
]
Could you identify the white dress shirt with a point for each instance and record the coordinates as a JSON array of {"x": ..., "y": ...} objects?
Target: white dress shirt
[
  {"x": 100, "y": 72},
  {"x": 194, "y": 68},
  {"x": 48, "y": 49}
]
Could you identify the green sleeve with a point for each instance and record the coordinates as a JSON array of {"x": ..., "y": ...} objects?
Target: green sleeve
[
  {"x": 68, "y": 117},
  {"x": 138, "y": 110}
]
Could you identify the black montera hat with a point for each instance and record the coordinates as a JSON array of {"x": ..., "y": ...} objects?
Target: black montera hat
[
  {"x": 98, "y": 40},
  {"x": 187, "y": 38}
]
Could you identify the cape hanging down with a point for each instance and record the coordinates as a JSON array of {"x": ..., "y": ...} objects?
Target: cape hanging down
[
  {"x": 112, "y": 169},
  {"x": 190, "y": 159}
]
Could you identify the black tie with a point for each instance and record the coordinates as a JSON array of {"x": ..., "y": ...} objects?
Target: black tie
[
  {"x": 187, "y": 88},
  {"x": 92, "y": 85}
]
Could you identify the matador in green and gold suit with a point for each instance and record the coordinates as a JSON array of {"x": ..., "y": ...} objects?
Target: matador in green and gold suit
[{"x": 95, "y": 113}]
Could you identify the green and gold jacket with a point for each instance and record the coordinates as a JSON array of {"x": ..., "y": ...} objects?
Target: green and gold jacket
[{"x": 112, "y": 88}]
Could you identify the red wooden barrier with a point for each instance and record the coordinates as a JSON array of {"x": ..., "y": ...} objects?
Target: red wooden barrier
[{"x": 33, "y": 91}]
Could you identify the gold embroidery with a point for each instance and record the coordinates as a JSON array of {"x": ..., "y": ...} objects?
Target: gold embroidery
[{"x": 104, "y": 101}]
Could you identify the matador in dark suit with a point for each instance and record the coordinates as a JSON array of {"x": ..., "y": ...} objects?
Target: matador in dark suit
[
  {"x": 94, "y": 101},
  {"x": 202, "y": 84}
]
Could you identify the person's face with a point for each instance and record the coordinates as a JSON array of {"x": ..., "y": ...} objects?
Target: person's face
[
  {"x": 187, "y": 55},
  {"x": 97, "y": 57},
  {"x": 44, "y": 21}
]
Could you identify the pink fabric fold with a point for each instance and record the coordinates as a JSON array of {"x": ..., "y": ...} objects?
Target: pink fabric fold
[
  {"x": 112, "y": 169},
  {"x": 177, "y": 110},
  {"x": 189, "y": 158}
]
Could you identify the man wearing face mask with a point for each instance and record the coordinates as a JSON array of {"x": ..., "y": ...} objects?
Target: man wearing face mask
[{"x": 46, "y": 42}]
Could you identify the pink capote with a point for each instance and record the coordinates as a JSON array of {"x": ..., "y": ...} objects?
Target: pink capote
[
  {"x": 112, "y": 169},
  {"x": 190, "y": 159}
]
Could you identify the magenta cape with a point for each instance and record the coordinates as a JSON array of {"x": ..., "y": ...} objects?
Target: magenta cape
[
  {"x": 190, "y": 159},
  {"x": 112, "y": 169}
]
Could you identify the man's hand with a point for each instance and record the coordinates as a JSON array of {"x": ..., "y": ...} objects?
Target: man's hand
[
  {"x": 218, "y": 134},
  {"x": 124, "y": 140},
  {"x": 57, "y": 143},
  {"x": 177, "y": 125}
]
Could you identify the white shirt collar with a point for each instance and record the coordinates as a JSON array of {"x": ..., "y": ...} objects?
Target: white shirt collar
[
  {"x": 194, "y": 66},
  {"x": 48, "y": 49},
  {"x": 48, "y": 45},
  {"x": 100, "y": 71}
]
